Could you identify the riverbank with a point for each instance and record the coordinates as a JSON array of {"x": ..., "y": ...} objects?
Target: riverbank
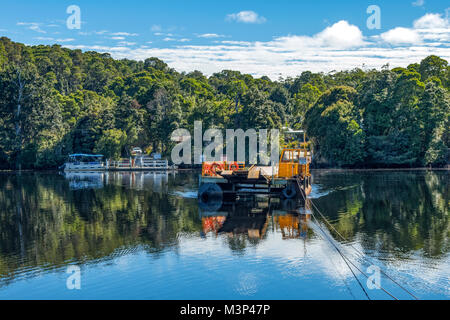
[
  {"x": 381, "y": 169},
  {"x": 447, "y": 168}
]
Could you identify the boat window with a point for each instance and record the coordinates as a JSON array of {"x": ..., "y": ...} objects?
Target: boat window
[
  {"x": 82, "y": 158},
  {"x": 287, "y": 156},
  {"x": 292, "y": 156}
]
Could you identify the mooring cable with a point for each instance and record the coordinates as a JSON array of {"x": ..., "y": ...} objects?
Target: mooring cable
[
  {"x": 341, "y": 276},
  {"x": 343, "y": 256},
  {"x": 359, "y": 252}
]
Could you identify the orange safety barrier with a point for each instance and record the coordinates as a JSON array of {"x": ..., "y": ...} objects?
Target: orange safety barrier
[
  {"x": 206, "y": 169},
  {"x": 210, "y": 169},
  {"x": 217, "y": 166},
  {"x": 234, "y": 166}
]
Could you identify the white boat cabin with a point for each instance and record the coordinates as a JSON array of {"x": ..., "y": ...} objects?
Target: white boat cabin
[{"x": 84, "y": 162}]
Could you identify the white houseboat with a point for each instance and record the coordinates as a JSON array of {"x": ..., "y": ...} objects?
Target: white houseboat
[{"x": 84, "y": 162}]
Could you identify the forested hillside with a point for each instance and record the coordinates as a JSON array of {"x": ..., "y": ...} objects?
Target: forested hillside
[{"x": 55, "y": 101}]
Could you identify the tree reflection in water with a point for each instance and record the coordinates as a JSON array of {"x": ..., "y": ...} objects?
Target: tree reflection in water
[
  {"x": 49, "y": 220},
  {"x": 393, "y": 212}
]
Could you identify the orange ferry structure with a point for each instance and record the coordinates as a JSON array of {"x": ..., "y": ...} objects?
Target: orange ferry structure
[{"x": 225, "y": 181}]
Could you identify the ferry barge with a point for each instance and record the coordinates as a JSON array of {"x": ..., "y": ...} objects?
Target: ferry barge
[{"x": 225, "y": 181}]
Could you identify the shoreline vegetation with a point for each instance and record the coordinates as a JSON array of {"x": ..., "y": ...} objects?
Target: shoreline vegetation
[
  {"x": 446, "y": 168},
  {"x": 55, "y": 101}
]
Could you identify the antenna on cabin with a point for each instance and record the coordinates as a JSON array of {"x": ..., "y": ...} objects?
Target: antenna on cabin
[{"x": 291, "y": 131}]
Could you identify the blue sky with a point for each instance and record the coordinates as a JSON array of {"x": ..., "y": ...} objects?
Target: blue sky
[{"x": 274, "y": 38}]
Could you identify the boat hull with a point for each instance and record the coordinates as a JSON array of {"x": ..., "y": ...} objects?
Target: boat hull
[{"x": 83, "y": 167}]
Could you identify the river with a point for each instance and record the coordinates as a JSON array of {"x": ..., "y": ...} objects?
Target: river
[{"x": 144, "y": 236}]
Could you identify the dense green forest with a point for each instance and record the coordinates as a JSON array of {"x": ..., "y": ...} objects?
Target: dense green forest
[{"x": 56, "y": 101}]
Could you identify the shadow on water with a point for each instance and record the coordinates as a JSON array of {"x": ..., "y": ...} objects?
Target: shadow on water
[{"x": 50, "y": 220}]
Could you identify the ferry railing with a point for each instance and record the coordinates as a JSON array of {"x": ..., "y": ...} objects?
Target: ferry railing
[{"x": 144, "y": 163}]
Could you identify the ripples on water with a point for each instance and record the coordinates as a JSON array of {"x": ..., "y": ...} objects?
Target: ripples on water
[{"x": 144, "y": 236}]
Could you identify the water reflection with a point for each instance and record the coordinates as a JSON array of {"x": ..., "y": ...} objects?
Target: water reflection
[
  {"x": 392, "y": 212},
  {"x": 85, "y": 180},
  {"x": 154, "y": 180},
  {"x": 50, "y": 220},
  {"x": 250, "y": 217}
]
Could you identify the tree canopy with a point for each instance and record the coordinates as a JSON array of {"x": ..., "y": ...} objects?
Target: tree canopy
[{"x": 55, "y": 101}]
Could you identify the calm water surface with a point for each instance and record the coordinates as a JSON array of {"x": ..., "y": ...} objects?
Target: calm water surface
[{"x": 144, "y": 236}]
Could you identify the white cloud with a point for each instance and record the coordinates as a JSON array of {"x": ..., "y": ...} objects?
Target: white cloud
[
  {"x": 274, "y": 58},
  {"x": 161, "y": 34},
  {"x": 126, "y": 34},
  {"x": 54, "y": 40},
  {"x": 431, "y": 21},
  {"x": 37, "y": 29},
  {"x": 90, "y": 33},
  {"x": 341, "y": 34},
  {"x": 118, "y": 38},
  {"x": 184, "y": 40},
  {"x": 246, "y": 17},
  {"x": 99, "y": 48},
  {"x": 65, "y": 40},
  {"x": 433, "y": 27},
  {"x": 418, "y": 3},
  {"x": 32, "y": 26},
  {"x": 156, "y": 28},
  {"x": 126, "y": 43},
  {"x": 210, "y": 35},
  {"x": 430, "y": 27},
  {"x": 399, "y": 36},
  {"x": 341, "y": 46},
  {"x": 242, "y": 43}
]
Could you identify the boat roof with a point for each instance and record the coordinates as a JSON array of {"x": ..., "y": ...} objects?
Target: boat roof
[{"x": 85, "y": 155}]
